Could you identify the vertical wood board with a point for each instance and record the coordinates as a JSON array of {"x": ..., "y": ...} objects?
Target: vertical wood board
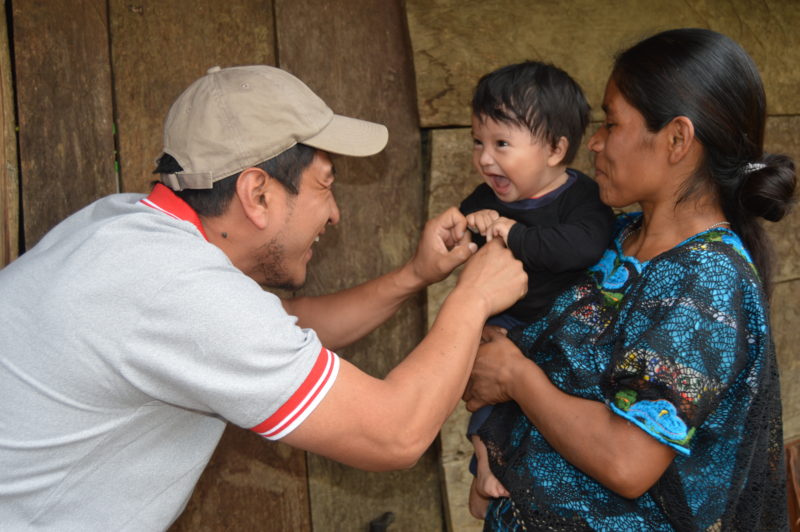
[
  {"x": 158, "y": 49},
  {"x": 249, "y": 484},
  {"x": 356, "y": 56},
  {"x": 9, "y": 187},
  {"x": 66, "y": 140},
  {"x": 455, "y": 42}
]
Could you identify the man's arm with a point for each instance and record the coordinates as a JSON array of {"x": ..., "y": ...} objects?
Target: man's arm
[
  {"x": 344, "y": 317},
  {"x": 380, "y": 424}
]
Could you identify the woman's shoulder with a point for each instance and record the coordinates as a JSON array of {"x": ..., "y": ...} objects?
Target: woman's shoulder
[
  {"x": 713, "y": 261},
  {"x": 712, "y": 248}
]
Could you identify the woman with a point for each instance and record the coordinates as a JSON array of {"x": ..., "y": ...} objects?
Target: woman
[{"x": 648, "y": 398}]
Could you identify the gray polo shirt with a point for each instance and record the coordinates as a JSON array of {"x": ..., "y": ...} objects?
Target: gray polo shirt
[{"x": 127, "y": 343}]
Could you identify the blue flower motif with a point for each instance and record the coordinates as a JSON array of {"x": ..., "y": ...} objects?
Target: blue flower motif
[
  {"x": 617, "y": 278},
  {"x": 661, "y": 417},
  {"x": 605, "y": 264}
]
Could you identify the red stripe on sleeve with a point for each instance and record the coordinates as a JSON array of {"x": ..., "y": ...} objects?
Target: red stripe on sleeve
[{"x": 302, "y": 398}]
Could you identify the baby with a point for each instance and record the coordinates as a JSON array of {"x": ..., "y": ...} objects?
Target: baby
[{"x": 527, "y": 123}]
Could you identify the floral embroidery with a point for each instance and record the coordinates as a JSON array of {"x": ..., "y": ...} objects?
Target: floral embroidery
[{"x": 658, "y": 417}]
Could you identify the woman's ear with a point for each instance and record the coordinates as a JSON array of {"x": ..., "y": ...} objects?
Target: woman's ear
[
  {"x": 681, "y": 139},
  {"x": 254, "y": 192},
  {"x": 558, "y": 152}
]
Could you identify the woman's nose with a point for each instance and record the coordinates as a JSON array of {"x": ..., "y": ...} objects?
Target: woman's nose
[{"x": 596, "y": 141}]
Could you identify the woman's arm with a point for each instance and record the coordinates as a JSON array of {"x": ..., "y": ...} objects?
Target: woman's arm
[{"x": 605, "y": 446}]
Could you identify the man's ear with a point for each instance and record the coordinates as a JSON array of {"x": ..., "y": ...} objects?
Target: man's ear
[
  {"x": 558, "y": 152},
  {"x": 680, "y": 138},
  {"x": 255, "y": 190}
]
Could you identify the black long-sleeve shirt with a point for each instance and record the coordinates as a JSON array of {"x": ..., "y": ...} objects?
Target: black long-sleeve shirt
[{"x": 557, "y": 236}]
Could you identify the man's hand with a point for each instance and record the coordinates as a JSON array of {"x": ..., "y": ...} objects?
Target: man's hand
[
  {"x": 495, "y": 276},
  {"x": 445, "y": 244}
]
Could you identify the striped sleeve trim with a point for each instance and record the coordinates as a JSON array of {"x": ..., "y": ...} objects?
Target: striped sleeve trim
[{"x": 294, "y": 411}]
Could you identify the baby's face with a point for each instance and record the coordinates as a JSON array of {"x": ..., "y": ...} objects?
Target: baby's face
[{"x": 514, "y": 163}]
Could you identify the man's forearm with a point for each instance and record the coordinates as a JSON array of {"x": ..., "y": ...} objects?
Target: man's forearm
[
  {"x": 345, "y": 317},
  {"x": 384, "y": 424}
]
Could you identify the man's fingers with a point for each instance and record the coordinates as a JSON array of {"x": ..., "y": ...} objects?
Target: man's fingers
[
  {"x": 462, "y": 252},
  {"x": 452, "y": 225}
]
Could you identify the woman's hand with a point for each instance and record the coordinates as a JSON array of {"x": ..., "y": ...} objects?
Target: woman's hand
[
  {"x": 494, "y": 372},
  {"x": 585, "y": 432}
]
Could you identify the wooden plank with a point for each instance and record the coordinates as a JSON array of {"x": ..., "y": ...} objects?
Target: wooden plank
[
  {"x": 9, "y": 186},
  {"x": 158, "y": 49},
  {"x": 359, "y": 62},
  {"x": 785, "y": 317},
  {"x": 457, "y": 42},
  {"x": 249, "y": 484},
  {"x": 66, "y": 141}
]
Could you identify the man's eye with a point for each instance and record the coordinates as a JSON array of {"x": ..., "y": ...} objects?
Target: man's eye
[{"x": 608, "y": 125}]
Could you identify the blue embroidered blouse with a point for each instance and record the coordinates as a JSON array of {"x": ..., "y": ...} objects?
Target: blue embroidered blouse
[{"x": 679, "y": 346}]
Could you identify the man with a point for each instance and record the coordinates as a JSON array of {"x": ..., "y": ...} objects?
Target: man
[{"x": 138, "y": 327}]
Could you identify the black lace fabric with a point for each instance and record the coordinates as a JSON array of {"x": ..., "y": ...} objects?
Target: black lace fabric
[{"x": 679, "y": 346}]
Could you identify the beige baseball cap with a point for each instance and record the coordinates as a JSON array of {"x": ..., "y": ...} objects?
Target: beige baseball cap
[{"x": 237, "y": 117}]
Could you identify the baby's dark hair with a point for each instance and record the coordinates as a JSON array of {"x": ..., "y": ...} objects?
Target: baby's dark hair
[{"x": 538, "y": 96}]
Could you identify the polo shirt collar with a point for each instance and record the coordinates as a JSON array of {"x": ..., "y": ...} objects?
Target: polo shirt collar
[{"x": 164, "y": 200}]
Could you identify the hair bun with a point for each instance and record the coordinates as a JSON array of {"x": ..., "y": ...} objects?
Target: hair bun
[{"x": 767, "y": 190}]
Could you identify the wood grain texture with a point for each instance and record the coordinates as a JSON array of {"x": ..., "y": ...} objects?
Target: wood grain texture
[
  {"x": 783, "y": 136},
  {"x": 786, "y": 334},
  {"x": 457, "y": 41},
  {"x": 158, "y": 49},
  {"x": 9, "y": 186},
  {"x": 249, "y": 484},
  {"x": 66, "y": 139},
  {"x": 355, "y": 55}
]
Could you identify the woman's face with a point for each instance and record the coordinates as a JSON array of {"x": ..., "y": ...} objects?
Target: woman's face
[{"x": 627, "y": 168}]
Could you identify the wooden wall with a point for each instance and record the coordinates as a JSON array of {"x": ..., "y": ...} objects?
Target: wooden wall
[{"x": 9, "y": 181}]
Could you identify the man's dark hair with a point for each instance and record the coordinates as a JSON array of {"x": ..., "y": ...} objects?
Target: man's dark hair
[
  {"x": 538, "y": 96},
  {"x": 286, "y": 168}
]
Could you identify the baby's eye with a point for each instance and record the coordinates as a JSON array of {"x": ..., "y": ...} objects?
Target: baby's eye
[
  {"x": 476, "y": 142},
  {"x": 502, "y": 143}
]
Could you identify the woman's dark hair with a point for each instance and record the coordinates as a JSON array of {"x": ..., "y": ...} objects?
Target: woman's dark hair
[
  {"x": 286, "y": 168},
  {"x": 537, "y": 96},
  {"x": 708, "y": 78}
]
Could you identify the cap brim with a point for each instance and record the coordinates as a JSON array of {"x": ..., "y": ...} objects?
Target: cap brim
[{"x": 350, "y": 136}]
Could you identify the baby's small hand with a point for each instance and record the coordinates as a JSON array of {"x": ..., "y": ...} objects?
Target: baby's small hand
[
  {"x": 500, "y": 228},
  {"x": 480, "y": 221}
]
